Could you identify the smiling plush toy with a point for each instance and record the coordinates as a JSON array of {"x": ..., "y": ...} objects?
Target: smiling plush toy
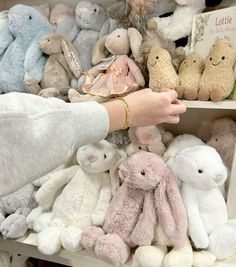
[
  {"x": 190, "y": 72},
  {"x": 217, "y": 81}
]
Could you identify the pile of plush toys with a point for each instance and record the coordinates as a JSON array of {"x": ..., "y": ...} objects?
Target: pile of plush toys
[
  {"x": 141, "y": 194},
  {"x": 93, "y": 53}
]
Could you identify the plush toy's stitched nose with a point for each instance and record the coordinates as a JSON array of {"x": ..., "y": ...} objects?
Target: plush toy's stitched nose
[{"x": 92, "y": 158}]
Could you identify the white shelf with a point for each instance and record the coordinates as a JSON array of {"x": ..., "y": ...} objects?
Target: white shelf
[
  {"x": 26, "y": 246},
  {"x": 226, "y": 104}
]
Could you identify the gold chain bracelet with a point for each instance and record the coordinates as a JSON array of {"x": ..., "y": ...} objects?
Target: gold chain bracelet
[{"x": 126, "y": 107}]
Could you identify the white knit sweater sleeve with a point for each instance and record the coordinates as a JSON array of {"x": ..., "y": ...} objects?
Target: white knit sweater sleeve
[{"x": 38, "y": 134}]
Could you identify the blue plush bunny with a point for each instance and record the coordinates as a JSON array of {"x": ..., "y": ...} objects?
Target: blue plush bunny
[
  {"x": 23, "y": 60},
  {"x": 6, "y": 38}
]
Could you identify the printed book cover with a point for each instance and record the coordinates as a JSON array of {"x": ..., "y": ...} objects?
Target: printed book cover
[{"x": 210, "y": 25}]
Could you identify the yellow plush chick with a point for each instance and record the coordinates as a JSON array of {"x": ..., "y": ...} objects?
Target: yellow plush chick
[
  {"x": 217, "y": 81},
  {"x": 190, "y": 72},
  {"x": 161, "y": 71}
]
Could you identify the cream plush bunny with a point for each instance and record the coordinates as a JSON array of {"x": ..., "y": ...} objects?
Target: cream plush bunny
[
  {"x": 179, "y": 256},
  {"x": 88, "y": 188},
  {"x": 116, "y": 75},
  {"x": 62, "y": 64},
  {"x": 202, "y": 172}
]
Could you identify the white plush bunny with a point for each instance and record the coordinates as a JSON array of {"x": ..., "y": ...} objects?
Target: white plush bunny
[
  {"x": 88, "y": 188},
  {"x": 201, "y": 171},
  {"x": 157, "y": 255}
]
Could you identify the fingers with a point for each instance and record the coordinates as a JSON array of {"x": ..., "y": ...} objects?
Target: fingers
[
  {"x": 178, "y": 108},
  {"x": 173, "y": 119},
  {"x": 172, "y": 95}
]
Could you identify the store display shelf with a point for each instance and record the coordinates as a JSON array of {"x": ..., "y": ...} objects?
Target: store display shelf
[
  {"x": 226, "y": 104},
  {"x": 26, "y": 246}
]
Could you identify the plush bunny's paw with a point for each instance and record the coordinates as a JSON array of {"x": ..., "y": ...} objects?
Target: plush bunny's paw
[
  {"x": 148, "y": 256},
  {"x": 74, "y": 96},
  {"x": 49, "y": 240},
  {"x": 191, "y": 94},
  {"x": 216, "y": 95},
  {"x": 32, "y": 217},
  {"x": 203, "y": 258},
  {"x": 42, "y": 222},
  {"x": 90, "y": 236},
  {"x": 203, "y": 95},
  {"x": 112, "y": 249},
  {"x": 32, "y": 87},
  {"x": 49, "y": 92},
  {"x": 70, "y": 238},
  {"x": 14, "y": 226},
  {"x": 179, "y": 258},
  {"x": 151, "y": 24},
  {"x": 98, "y": 218}
]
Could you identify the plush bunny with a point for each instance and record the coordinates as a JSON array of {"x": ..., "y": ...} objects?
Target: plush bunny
[
  {"x": 173, "y": 26},
  {"x": 6, "y": 38},
  {"x": 88, "y": 188},
  {"x": 148, "y": 193},
  {"x": 23, "y": 59},
  {"x": 61, "y": 65},
  {"x": 119, "y": 138},
  {"x": 201, "y": 173},
  {"x": 223, "y": 138},
  {"x": 159, "y": 253},
  {"x": 44, "y": 9},
  {"x": 91, "y": 24},
  {"x": 190, "y": 73},
  {"x": 116, "y": 75},
  {"x": 62, "y": 18},
  {"x": 218, "y": 79},
  {"x": 14, "y": 209},
  {"x": 151, "y": 138}
]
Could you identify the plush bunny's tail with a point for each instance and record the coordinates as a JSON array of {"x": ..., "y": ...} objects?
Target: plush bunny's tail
[{"x": 170, "y": 210}]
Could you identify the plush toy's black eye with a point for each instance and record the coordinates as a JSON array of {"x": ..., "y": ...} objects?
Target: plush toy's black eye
[
  {"x": 95, "y": 10},
  {"x": 157, "y": 57},
  {"x": 194, "y": 61},
  {"x": 30, "y": 17},
  {"x": 200, "y": 171},
  {"x": 143, "y": 172},
  {"x": 223, "y": 58},
  {"x": 139, "y": 147},
  {"x": 118, "y": 36},
  {"x": 105, "y": 156},
  {"x": 210, "y": 58},
  {"x": 216, "y": 139}
]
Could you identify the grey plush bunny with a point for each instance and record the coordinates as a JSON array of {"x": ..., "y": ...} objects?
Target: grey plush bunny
[
  {"x": 92, "y": 24},
  {"x": 17, "y": 205},
  {"x": 23, "y": 59}
]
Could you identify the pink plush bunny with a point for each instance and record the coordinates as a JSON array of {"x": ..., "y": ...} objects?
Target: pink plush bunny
[{"x": 148, "y": 193}]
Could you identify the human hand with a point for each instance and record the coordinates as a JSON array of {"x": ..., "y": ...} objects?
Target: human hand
[{"x": 149, "y": 108}]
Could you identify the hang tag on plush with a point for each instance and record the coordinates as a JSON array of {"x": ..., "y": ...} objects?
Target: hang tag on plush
[{"x": 106, "y": 62}]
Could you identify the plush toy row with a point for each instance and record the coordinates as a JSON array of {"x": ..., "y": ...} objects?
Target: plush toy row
[
  {"x": 50, "y": 57},
  {"x": 112, "y": 201}
]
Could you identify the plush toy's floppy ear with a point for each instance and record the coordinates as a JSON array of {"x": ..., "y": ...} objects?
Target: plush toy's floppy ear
[
  {"x": 72, "y": 58},
  {"x": 99, "y": 51},
  {"x": 135, "y": 43},
  {"x": 114, "y": 177},
  {"x": 170, "y": 210}
]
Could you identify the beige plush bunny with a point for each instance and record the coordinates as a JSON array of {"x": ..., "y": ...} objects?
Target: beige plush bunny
[
  {"x": 114, "y": 76},
  {"x": 62, "y": 64},
  {"x": 190, "y": 72}
]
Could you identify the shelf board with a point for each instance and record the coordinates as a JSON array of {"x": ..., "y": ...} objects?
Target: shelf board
[
  {"x": 26, "y": 246},
  {"x": 226, "y": 104}
]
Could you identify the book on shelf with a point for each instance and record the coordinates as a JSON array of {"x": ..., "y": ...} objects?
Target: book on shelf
[{"x": 210, "y": 25}]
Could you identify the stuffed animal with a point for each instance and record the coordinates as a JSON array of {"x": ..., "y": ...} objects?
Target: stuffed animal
[
  {"x": 201, "y": 173},
  {"x": 44, "y": 9},
  {"x": 223, "y": 138},
  {"x": 6, "y": 37},
  {"x": 173, "y": 27},
  {"x": 150, "y": 138},
  {"x": 23, "y": 60},
  {"x": 92, "y": 23},
  {"x": 5, "y": 259},
  {"x": 14, "y": 209},
  {"x": 160, "y": 251},
  {"x": 116, "y": 76},
  {"x": 62, "y": 64},
  {"x": 190, "y": 72},
  {"x": 218, "y": 80},
  {"x": 119, "y": 138},
  {"x": 132, "y": 13},
  {"x": 63, "y": 20},
  {"x": 88, "y": 188},
  {"x": 148, "y": 193}
]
